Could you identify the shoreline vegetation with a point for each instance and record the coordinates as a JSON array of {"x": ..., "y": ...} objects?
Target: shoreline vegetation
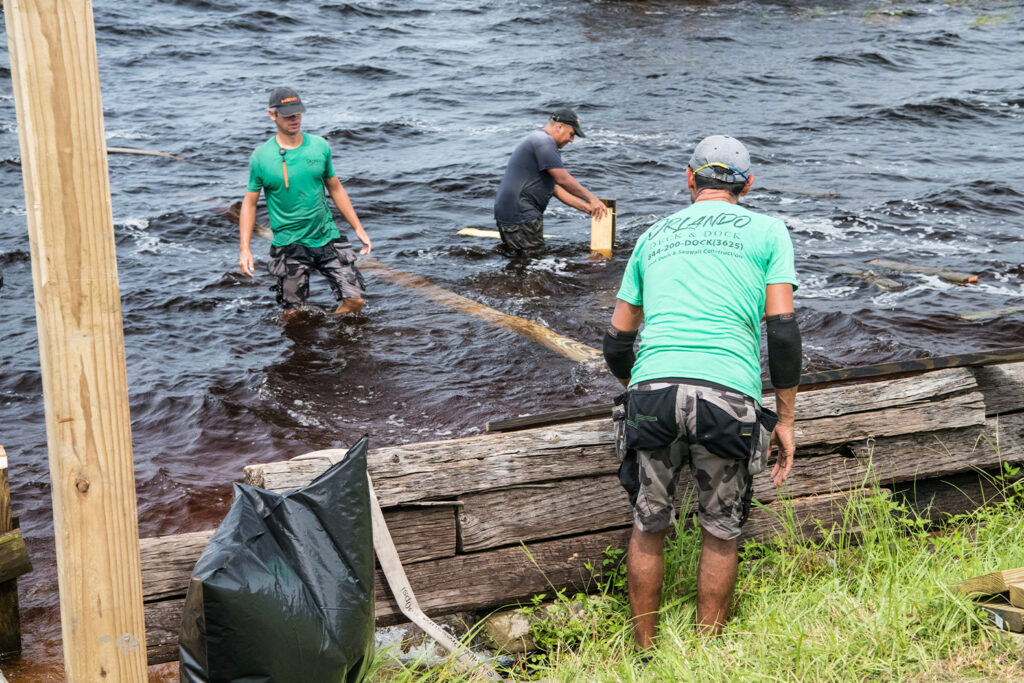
[{"x": 872, "y": 598}]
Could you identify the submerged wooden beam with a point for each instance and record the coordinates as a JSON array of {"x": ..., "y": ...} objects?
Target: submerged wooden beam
[
  {"x": 883, "y": 283},
  {"x": 145, "y": 152},
  {"x": 995, "y": 313},
  {"x": 81, "y": 341},
  {"x": 571, "y": 349},
  {"x": 948, "y": 275},
  {"x": 492, "y": 234}
]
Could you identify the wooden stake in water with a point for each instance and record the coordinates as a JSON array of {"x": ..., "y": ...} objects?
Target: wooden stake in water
[
  {"x": 81, "y": 341},
  {"x": 602, "y": 231}
]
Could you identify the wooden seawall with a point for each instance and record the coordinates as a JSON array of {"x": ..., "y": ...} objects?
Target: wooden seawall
[{"x": 459, "y": 510}]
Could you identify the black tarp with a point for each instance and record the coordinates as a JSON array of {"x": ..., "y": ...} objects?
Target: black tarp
[{"x": 284, "y": 590}]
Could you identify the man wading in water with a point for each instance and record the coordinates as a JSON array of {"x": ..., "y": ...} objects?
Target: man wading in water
[
  {"x": 293, "y": 168},
  {"x": 534, "y": 173},
  {"x": 700, "y": 280}
]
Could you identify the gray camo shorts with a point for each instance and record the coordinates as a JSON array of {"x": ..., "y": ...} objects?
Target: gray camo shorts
[
  {"x": 723, "y": 435},
  {"x": 336, "y": 260},
  {"x": 524, "y": 237}
]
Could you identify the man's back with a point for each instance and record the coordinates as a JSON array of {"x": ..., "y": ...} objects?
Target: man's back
[
  {"x": 700, "y": 276},
  {"x": 525, "y": 188}
]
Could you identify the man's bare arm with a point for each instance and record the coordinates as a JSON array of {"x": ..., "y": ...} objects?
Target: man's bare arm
[
  {"x": 563, "y": 179},
  {"x": 344, "y": 204},
  {"x": 779, "y": 304},
  {"x": 246, "y": 221}
]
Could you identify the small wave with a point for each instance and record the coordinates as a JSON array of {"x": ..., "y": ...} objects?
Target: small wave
[
  {"x": 366, "y": 71},
  {"x": 352, "y": 10},
  {"x": 257, "y": 21},
  {"x": 863, "y": 58}
]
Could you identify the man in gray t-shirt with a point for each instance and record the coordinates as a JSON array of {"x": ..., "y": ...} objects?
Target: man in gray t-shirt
[{"x": 534, "y": 173}]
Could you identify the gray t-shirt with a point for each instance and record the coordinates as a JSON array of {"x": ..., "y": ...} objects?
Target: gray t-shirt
[{"x": 526, "y": 187}]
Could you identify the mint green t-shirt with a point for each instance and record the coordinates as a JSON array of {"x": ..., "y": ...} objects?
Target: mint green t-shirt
[
  {"x": 700, "y": 275},
  {"x": 299, "y": 213}
]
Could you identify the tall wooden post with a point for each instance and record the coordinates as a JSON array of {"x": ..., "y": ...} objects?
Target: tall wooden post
[{"x": 81, "y": 341}]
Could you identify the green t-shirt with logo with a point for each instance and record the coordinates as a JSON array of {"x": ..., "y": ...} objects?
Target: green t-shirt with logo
[
  {"x": 299, "y": 213},
  {"x": 700, "y": 275}
]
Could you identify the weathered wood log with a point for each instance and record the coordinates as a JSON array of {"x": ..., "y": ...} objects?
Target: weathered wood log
[
  {"x": 163, "y": 621},
  {"x": 444, "y": 469},
  {"x": 10, "y": 620},
  {"x": 167, "y": 561},
  {"x": 808, "y": 382},
  {"x": 573, "y": 506},
  {"x": 450, "y": 468},
  {"x": 551, "y": 510},
  {"x": 1002, "y": 386},
  {"x": 13, "y": 556},
  {"x": 939, "y": 498}
]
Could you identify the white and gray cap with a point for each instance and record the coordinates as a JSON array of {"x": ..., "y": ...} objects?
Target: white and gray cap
[{"x": 721, "y": 157}]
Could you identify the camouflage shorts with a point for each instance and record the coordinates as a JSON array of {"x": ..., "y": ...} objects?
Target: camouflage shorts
[
  {"x": 724, "y": 435},
  {"x": 336, "y": 260},
  {"x": 527, "y": 236}
]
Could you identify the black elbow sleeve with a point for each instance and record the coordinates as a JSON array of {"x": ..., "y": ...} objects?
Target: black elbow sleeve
[
  {"x": 785, "y": 354},
  {"x": 618, "y": 352}
]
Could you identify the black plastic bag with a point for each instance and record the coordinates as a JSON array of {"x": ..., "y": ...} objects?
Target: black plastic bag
[{"x": 284, "y": 590}]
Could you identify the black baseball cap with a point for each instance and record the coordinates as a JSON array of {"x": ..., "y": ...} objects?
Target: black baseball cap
[
  {"x": 569, "y": 118},
  {"x": 286, "y": 101}
]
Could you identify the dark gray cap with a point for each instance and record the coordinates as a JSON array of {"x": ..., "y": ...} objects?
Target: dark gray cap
[
  {"x": 286, "y": 101},
  {"x": 569, "y": 118},
  {"x": 721, "y": 157}
]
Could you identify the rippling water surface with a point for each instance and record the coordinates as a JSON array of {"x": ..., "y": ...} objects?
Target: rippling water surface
[{"x": 878, "y": 130}]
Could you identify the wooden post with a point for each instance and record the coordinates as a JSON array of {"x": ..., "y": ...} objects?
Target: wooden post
[
  {"x": 602, "y": 232},
  {"x": 81, "y": 342},
  {"x": 10, "y": 626}
]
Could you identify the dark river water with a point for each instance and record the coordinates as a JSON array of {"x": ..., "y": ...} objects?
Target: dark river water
[{"x": 877, "y": 130}]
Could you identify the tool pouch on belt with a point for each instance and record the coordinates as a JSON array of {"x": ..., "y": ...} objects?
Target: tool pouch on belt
[
  {"x": 651, "y": 418},
  {"x": 619, "y": 424},
  {"x": 735, "y": 432}
]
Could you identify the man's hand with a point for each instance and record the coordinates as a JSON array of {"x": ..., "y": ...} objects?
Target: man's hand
[
  {"x": 782, "y": 438},
  {"x": 596, "y": 208},
  {"x": 367, "y": 247},
  {"x": 245, "y": 262}
]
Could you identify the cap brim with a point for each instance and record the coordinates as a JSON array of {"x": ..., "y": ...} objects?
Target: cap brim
[
  {"x": 578, "y": 132},
  {"x": 289, "y": 109}
]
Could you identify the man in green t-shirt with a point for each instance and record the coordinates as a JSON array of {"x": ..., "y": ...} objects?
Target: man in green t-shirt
[
  {"x": 699, "y": 281},
  {"x": 293, "y": 169}
]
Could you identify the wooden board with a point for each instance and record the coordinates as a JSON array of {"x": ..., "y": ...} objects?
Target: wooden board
[
  {"x": 1003, "y": 615},
  {"x": 493, "y": 234},
  {"x": 993, "y": 582},
  {"x": 1002, "y": 386},
  {"x": 548, "y": 510},
  {"x": 995, "y": 313},
  {"x": 1017, "y": 593},
  {"x": 445, "y": 469},
  {"x": 883, "y": 283},
  {"x": 442, "y": 469},
  {"x": 809, "y": 382},
  {"x": 602, "y": 231},
  {"x": 56, "y": 86},
  {"x": 948, "y": 275},
  {"x": 167, "y": 561}
]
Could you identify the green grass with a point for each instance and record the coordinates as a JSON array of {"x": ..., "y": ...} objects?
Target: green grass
[{"x": 879, "y": 605}]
